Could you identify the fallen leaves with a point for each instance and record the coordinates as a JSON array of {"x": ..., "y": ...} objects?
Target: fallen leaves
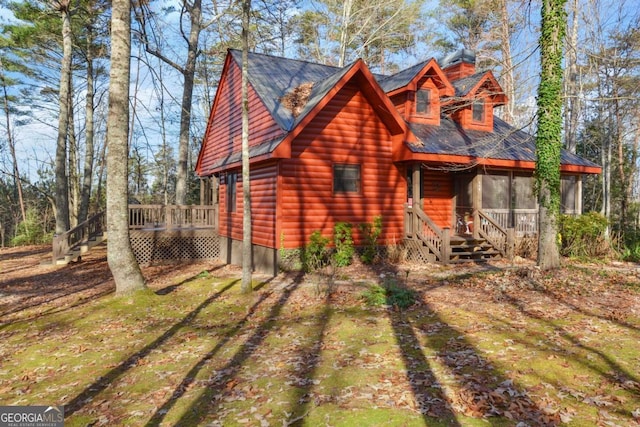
[{"x": 481, "y": 345}]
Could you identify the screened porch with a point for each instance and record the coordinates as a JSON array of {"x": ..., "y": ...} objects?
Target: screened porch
[{"x": 509, "y": 198}]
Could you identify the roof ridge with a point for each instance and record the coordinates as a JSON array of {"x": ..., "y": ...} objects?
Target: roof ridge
[{"x": 277, "y": 57}]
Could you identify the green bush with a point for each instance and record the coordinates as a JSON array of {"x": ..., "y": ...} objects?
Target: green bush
[
  {"x": 584, "y": 235},
  {"x": 370, "y": 233},
  {"x": 30, "y": 231},
  {"x": 316, "y": 253},
  {"x": 390, "y": 294},
  {"x": 343, "y": 240}
]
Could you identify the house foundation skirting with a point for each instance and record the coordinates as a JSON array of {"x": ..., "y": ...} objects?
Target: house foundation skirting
[
  {"x": 178, "y": 245},
  {"x": 264, "y": 258}
]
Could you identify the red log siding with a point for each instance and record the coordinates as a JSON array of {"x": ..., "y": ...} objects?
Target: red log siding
[
  {"x": 459, "y": 71},
  {"x": 438, "y": 197},
  {"x": 263, "y": 202},
  {"x": 347, "y": 131},
  {"x": 464, "y": 116},
  {"x": 224, "y": 130},
  {"x": 426, "y": 82},
  {"x": 400, "y": 102}
]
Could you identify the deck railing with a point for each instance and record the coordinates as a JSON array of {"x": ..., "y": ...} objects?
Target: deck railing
[
  {"x": 168, "y": 217},
  {"x": 82, "y": 233},
  {"x": 419, "y": 226},
  {"x": 524, "y": 221},
  {"x": 488, "y": 228}
]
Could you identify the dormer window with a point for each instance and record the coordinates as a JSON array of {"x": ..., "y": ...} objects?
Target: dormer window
[
  {"x": 478, "y": 111},
  {"x": 423, "y": 102}
]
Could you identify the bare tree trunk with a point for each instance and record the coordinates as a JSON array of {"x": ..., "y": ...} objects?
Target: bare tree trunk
[
  {"x": 62, "y": 184},
  {"x": 189, "y": 72},
  {"x": 571, "y": 85},
  {"x": 247, "y": 259},
  {"x": 12, "y": 149},
  {"x": 344, "y": 31},
  {"x": 73, "y": 179},
  {"x": 87, "y": 170},
  {"x": 507, "y": 63},
  {"x": 102, "y": 163},
  {"x": 122, "y": 263}
]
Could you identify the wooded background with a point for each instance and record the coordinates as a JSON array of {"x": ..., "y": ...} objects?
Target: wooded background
[{"x": 54, "y": 71}]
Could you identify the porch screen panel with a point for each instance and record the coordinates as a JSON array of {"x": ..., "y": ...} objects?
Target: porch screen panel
[
  {"x": 523, "y": 193},
  {"x": 495, "y": 192}
]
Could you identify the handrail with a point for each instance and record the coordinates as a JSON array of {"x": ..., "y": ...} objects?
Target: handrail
[
  {"x": 422, "y": 227},
  {"x": 83, "y": 232},
  {"x": 173, "y": 216},
  {"x": 490, "y": 230}
]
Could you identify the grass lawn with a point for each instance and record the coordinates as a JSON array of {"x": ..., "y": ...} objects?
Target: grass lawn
[{"x": 499, "y": 345}]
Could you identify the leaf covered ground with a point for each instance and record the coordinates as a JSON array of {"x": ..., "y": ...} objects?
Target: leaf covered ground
[{"x": 494, "y": 344}]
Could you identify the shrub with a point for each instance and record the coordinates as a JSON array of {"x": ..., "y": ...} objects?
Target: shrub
[
  {"x": 390, "y": 293},
  {"x": 370, "y": 233},
  {"x": 584, "y": 235},
  {"x": 343, "y": 240},
  {"x": 316, "y": 253},
  {"x": 30, "y": 231}
]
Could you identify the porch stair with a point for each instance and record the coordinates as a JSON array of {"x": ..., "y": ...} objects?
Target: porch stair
[
  {"x": 469, "y": 249},
  {"x": 73, "y": 254},
  {"x": 426, "y": 242},
  {"x": 69, "y": 246}
]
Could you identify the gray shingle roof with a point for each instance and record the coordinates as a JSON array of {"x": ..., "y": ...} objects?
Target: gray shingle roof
[
  {"x": 401, "y": 78},
  {"x": 464, "y": 85},
  {"x": 272, "y": 77},
  {"x": 505, "y": 142}
]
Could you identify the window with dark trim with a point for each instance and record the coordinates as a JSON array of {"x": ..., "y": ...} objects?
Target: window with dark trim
[
  {"x": 232, "y": 179},
  {"x": 423, "y": 102},
  {"x": 478, "y": 110},
  {"x": 346, "y": 179}
]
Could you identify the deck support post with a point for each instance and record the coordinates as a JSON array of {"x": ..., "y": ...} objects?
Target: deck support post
[
  {"x": 446, "y": 245},
  {"x": 416, "y": 179}
]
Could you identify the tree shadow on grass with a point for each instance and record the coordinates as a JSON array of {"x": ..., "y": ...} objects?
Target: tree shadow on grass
[
  {"x": 209, "y": 400},
  {"x": 103, "y": 382},
  {"x": 474, "y": 388},
  {"x": 617, "y": 374},
  {"x": 190, "y": 377},
  {"x": 171, "y": 288},
  {"x": 303, "y": 372}
]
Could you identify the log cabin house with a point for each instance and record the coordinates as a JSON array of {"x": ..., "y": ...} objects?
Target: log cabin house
[{"x": 422, "y": 148}]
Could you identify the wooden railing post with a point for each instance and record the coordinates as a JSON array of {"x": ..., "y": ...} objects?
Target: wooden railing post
[
  {"x": 511, "y": 243},
  {"x": 476, "y": 224},
  {"x": 446, "y": 245}
]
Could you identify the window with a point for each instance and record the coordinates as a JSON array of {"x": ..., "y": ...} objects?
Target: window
[
  {"x": 478, "y": 110},
  {"x": 423, "y": 102},
  {"x": 232, "y": 179},
  {"x": 346, "y": 178}
]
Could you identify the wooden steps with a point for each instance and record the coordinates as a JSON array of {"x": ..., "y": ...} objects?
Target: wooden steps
[
  {"x": 81, "y": 248},
  {"x": 468, "y": 249}
]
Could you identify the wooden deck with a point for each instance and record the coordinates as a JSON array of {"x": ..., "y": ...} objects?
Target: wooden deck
[{"x": 158, "y": 234}]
